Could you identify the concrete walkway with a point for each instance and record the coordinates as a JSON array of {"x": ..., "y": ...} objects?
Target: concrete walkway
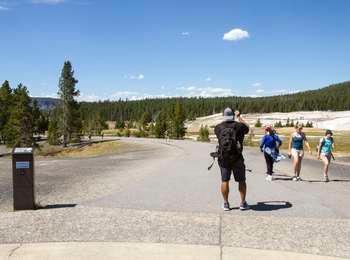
[
  {"x": 144, "y": 251},
  {"x": 168, "y": 201}
]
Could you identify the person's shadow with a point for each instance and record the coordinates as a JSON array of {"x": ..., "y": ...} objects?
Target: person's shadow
[
  {"x": 55, "y": 206},
  {"x": 268, "y": 206},
  {"x": 336, "y": 180},
  {"x": 271, "y": 205}
]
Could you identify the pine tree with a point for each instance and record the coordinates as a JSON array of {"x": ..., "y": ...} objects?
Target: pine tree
[
  {"x": 288, "y": 122},
  {"x": 53, "y": 132},
  {"x": 258, "y": 123},
  {"x": 278, "y": 124},
  {"x": 203, "y": 134},
  {"x": 5, "y": 104},
  {"x": 146, "y": 119},
  {"x": 178, "y": 129},
  {"x": 19, "y": 128},
  {"x": 161, "y": 126},
  {"x": 36, "y": 113},
  {"x": 70, "y": 122},
  {"x": 119, "y": 124},
  {"x": 43, "y": 123}
]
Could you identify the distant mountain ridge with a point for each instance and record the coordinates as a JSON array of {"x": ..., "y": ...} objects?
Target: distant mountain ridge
[{"x": 46, "y": 103}]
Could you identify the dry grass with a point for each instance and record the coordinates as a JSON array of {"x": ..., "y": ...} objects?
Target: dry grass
[
  {"x": 90, "y": 150},
  {"x": 112, "y": 132}
]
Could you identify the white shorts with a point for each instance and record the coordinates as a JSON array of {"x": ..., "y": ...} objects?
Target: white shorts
[
  {"x": 296, "y": 152},
  {"x": 328, "y": 156}
]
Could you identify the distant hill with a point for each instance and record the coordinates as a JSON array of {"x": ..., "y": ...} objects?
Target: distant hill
[
  {"x": 46, "y": 103},
  {"x": 334, "y": 98}
]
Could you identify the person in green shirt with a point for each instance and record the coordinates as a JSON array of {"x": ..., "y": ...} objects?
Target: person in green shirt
[
  {"x": 296, "y": 149},
  {"x": 325, "y": 149}
]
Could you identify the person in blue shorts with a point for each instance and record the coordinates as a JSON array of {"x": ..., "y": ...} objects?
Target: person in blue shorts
[
  {"x": 296, "y": 149},
  {"x": 325, "y": 149},
  {"x": 270, "y": 144}
]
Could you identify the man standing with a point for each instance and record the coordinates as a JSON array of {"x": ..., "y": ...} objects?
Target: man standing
[{"x": 230, "y": 135}]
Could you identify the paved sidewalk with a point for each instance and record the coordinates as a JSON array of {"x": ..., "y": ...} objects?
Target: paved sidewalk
[
  {"x": 4, "y": 150},
  {"x": 178, "y": 203},
  {"x": 144, "y": 251},
  {"x": 329, "y": 237}
]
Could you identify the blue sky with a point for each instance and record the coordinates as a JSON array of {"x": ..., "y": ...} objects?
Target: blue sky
[{"x": 137, "y": 48}]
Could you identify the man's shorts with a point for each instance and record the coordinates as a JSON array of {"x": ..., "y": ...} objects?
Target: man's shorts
[{"x": 238, "y": 172}]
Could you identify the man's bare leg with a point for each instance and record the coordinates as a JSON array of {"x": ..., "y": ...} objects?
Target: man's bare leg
[
  {"x": 242, "y": 187},
  {"x": 225, "y": 189}
]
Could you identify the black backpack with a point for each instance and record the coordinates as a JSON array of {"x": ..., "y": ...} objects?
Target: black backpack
[{"x": 230, "y": 149}]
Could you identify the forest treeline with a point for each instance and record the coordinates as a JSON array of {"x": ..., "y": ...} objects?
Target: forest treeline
[
  {"x": 335, "y": 97},
  {"x": 21, "y": 120}
]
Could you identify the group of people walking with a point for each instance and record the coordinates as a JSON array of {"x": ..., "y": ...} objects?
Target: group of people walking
[
  {"x": 271, "y": 143},
  {"x": 230, "y": 134}
]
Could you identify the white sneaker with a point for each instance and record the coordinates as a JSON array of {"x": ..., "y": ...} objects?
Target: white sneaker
[
  {"x": 295, "y": 178},
  {"x": 268, "y": 178},
  {"x": 226, "y": 206}
]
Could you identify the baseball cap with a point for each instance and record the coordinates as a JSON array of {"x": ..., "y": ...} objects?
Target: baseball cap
[{"x": 228, "y": 114}]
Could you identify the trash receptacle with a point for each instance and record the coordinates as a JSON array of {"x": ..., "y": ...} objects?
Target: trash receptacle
[{"x": 23, "y": 179}]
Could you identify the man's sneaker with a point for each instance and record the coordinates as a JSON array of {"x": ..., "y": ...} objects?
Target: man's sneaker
[
  {"x": 295, "y": 178},
  {"x": 226, "y": 206},
  {"x": 244, "y": 206},
  {"x": 268, "y": 178},
  {"x": 326, "y": 179},
  {"x": 299, "y": 179}
]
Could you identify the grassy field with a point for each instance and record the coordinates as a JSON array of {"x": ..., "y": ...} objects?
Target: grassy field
[{"x": 90, "y": 150}]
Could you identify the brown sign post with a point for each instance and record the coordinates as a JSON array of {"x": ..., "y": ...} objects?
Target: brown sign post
[{"x": 23, "y": 179}]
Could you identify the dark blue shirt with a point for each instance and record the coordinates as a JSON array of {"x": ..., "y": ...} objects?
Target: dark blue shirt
[{"x": 270, "y": 141}]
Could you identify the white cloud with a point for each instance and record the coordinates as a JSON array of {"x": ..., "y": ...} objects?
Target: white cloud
[
  {"x": 132, "y": 95},
  {"x": 162, "y": 87},
  {"x": 281, "y": 91},
  {"x": 194, "y": 91},
  {"x": 235, "y": 35},
  {"x": 138, "y": 77},
  {"x": 208, "y": 79},
  {"x": 259, "y": 91},
  {"x": 4, "y": 8},
  {"x": 123, "y": 94},
  {"x": 88, "y": 98},
  {"x": 256, "y": 84},
  {"x": 49, "y": 2},
  {"x": 294, "y": 91},
  {"x": 185, "y": 34}
]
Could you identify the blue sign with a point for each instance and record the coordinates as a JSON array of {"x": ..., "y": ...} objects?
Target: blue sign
[{"x": 22, "y": 165}]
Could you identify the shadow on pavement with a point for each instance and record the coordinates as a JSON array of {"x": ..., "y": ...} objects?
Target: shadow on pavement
[
  {"x": 283, "y": 179},
  {"x": 268, "y": 206},
  {"x": 271, "y": 205},
  {"x": 325, "y": 182},
  {"x": 56, "y": 206}
]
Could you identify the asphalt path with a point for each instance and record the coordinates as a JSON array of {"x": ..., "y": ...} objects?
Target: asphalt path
[{"x": 162, "y": 192}]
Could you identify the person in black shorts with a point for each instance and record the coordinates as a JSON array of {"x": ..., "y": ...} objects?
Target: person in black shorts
[{"x": 241, "y": 128}]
